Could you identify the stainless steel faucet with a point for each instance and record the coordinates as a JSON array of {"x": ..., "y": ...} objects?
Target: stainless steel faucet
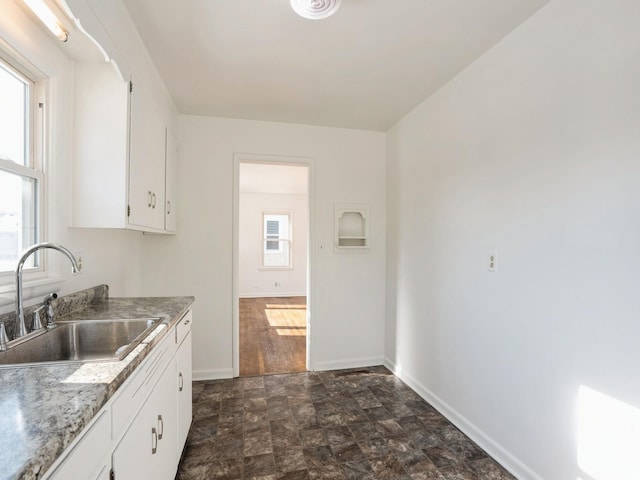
[{"x": 20, "y": 327}]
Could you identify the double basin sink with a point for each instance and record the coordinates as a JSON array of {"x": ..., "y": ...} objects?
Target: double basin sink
[{"x": 80, "y": 341}]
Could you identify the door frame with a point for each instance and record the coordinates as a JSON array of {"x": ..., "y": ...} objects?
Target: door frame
[{"x": 274, "y": 160}]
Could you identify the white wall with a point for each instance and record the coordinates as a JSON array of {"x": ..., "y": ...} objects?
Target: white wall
[
  {"x": 532, "y": 151},
  {"x": 111, "y": 257},
  {"x": 347, "y": 290},
  {"x": 254, "y": 281}
]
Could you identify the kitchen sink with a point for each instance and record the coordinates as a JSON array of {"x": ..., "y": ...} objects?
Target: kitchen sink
[{"x": 81, "y": 341}]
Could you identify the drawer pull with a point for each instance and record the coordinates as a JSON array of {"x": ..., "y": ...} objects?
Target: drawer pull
[
  {"x": 181, "y": 382},
  {"x": 154, "y": 441},
  {"x": 160, "y": 427}
]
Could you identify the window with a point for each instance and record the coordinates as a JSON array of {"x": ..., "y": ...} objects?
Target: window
[
  {"x": 276, "y": 240},
  {"x": 21, "y": 177}
]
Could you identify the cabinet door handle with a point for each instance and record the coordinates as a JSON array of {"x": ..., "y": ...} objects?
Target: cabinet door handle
[
  {"x": 154, "y": 441},
  {"x": 186, "y": 322},
  {"x": 149, "y": 198},
  {"x": 181, "y": 383},
  {"x": 168, "y": 207},
  {"x": 160, "y": 427},
  {"x": 153, "y": 195}
]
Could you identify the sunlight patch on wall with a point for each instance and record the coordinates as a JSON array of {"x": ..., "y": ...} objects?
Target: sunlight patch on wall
[{"x": 608, "y": 436}]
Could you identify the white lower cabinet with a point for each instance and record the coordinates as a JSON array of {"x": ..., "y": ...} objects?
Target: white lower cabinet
[
  {"x": 184, "y": 407},
  {"x": 141, "y": 431},
  {"x": 167, "y": 419},
  {"x": 133, "y": 457},
  {"x": 148, "y": 448}
]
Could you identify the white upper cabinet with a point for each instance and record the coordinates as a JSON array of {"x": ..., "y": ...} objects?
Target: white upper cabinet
[
  {"x": 120, "y": 155},
  {"x": 124, "y": 158},
  {"x": 146, "y": 161},
  {"x": 101, "y": 146}
]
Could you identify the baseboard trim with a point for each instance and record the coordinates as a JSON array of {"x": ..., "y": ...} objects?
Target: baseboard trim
[
  {"x": 272, "y": 294},
  {"x": 217, "y": 374},
  {"x": 347, "y": 363},
  {"x": 499, "y": 453}
]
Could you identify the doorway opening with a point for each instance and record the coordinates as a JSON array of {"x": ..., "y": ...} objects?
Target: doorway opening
[{"x": 271, "y": 265}]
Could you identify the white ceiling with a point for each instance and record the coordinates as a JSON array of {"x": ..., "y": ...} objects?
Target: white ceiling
[
  {"x": 365, "y": 67},
  {"x": 263, "y": 178}
]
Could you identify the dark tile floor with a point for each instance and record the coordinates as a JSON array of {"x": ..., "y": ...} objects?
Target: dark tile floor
[{"x": 347, "y": 424}]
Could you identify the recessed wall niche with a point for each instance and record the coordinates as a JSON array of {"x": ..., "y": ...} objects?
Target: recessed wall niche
[{"x": 351, "y": 227}]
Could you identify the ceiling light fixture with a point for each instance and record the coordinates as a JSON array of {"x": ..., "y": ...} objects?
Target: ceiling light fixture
[
  {"x": 315, "y": 9},
  {"x": 50, "y": 20}
]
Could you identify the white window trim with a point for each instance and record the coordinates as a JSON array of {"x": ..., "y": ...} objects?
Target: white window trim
[{"x": 40, "y": 280}]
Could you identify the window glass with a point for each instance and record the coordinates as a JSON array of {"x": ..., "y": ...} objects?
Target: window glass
[
  {"x": 272, "y": 236},
  {"x": 20, "y": 182},
  {"x": 276, "y": 240},
  {"x": 14, "y": 103},
  {"x": 17, "y": 217}
]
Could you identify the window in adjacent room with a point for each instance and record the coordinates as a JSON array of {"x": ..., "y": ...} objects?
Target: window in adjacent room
[
  {"x": 276, "y": 240},
  {"x": 21, "y": 176}
]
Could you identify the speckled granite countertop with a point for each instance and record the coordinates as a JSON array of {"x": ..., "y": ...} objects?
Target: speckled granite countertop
[{"x": 44, "y": 408}]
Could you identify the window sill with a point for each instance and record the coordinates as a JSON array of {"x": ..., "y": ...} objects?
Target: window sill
[{"x": 30, "y": 290}]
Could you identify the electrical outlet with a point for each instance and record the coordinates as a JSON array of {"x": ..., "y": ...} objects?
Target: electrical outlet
[
  {"x": 78, "y": 256},
  {"x": 493, "y": 261}
]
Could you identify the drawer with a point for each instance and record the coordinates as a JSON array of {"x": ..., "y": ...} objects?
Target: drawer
[
  {"x": 138, "y": 387},
  {"x": 183, "y": 327}
]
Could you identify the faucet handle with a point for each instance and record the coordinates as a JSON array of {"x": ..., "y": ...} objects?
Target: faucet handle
[
  {"x": 36, "y": 322},
  {"x": 4, "y": 339}
]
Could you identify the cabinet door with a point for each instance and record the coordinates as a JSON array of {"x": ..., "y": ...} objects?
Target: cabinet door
[
  {"x": 171, "y": 184},
  {"x": 136, "y": 456},
  {"x": 146, "y": 160},
  {"x": 148, "y": 448},
  {"x": 101, "y": 145},
  {"x": 166, "y": 419},
  {"x": 185, "y": 413}
]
